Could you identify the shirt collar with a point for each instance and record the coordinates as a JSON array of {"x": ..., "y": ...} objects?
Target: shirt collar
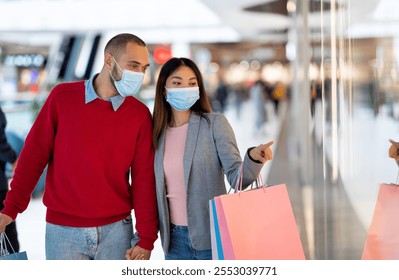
[{"x": 90, "y": 94}]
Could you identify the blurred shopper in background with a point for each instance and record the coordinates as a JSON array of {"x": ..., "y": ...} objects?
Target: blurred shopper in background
[
  {"x": 240, "y": 96},
  {"x": 222, "y": 94},
  {"x": 258, "y": 97},
  {"x": 278, "y": 94},
  {"x": 315, "y": 95},
  {"x": 94, "y": 135},
  {"x": 194, "y": 149},
  {"x": 7, "y": 155}
]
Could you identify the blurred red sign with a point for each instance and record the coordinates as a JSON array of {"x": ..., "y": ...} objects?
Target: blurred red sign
[{"x": 162, "y": 54}]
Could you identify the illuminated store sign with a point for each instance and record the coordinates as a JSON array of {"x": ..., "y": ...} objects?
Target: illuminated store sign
[{"x": 25, "y": 60}]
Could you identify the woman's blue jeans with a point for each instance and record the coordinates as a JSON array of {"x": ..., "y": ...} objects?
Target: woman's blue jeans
[
  {"x": 180, "y": 247},
  {"x": 108, "y": 242}
]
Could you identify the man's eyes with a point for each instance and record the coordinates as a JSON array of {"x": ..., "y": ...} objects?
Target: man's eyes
[{"x": 138, "y": 67}]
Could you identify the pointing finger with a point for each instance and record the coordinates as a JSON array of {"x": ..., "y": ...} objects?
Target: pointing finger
[
  {"x": 269, "y": 144},
  {"x": 266, "y": 146}
]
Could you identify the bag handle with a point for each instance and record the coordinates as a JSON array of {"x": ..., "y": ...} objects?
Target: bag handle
[
  {"x": 238, "y": 186},
  {"x": 3, "y": 245}
]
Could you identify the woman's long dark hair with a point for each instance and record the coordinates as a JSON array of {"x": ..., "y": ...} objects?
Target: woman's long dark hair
[{"x": 162, "y": 113}]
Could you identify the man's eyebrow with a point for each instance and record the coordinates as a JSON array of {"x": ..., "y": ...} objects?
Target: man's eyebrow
[{"x": 136, "y": 62}]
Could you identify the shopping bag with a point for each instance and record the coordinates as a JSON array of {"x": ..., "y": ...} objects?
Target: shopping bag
[
  {"x": 262, "y": 225},
  {"x": 4, "y": 252},
  {"x": 224, "y": 245},
  {"x": 216, "y": 243},
  {"x": 382, "y": 241}
]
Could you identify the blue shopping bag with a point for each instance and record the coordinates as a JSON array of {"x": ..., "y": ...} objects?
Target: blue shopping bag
[
  {"x": 216, "y": 242},
  {"x": 5, "y": 254}
]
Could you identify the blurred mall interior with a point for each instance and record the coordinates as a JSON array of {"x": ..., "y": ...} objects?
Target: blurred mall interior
[{"x": 330, "y": 70}]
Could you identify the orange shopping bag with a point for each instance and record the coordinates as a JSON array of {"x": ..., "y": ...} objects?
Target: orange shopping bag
[{"x": 382, "y": 242}]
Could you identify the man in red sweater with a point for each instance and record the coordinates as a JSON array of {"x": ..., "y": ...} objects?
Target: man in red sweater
[{"x": 95, "y": 137}]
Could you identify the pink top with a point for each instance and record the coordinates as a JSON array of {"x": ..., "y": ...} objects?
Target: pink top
[{"x": 174, "y": 173}]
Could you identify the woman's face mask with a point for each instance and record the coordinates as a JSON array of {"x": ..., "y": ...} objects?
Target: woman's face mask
[
  {"x": 130, "y": 82},
  {"x": 181, "y": 99}
]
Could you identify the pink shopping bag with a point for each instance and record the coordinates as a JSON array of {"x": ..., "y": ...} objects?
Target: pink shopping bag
[
  {"x": 261, "y": 224},
  {"x": 382, "y": 241},
  {"x": 227, "y": 246}
]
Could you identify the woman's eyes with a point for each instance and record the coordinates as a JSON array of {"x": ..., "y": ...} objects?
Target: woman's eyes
[{"x": 190, "y": 84}]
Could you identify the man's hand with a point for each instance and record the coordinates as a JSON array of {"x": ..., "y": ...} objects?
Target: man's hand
[
  {"x": 5, "y": 220},
  {"x": 137, "y": 253}
]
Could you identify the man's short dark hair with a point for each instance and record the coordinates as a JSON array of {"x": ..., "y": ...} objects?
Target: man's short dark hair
[{"x": 118, "y": 43}]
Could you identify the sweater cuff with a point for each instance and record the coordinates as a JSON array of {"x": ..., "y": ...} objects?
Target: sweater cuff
[
  {"x": 146, "y": 244},
  {"x": 10, "y": 212},
  {"x": 249, "y": 149}
]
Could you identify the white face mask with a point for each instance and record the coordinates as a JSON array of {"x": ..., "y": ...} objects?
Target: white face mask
[
  {"x": 130, "y": 82},
  {"x": 181, "y": 99}
]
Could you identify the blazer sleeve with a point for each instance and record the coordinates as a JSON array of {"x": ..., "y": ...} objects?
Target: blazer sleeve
[{"x": 229, "y": 155}]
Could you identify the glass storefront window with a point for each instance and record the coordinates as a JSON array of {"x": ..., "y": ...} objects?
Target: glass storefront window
[{"x": 352, "y": 88}]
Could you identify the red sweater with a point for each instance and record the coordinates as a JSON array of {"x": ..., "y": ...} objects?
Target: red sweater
[{"x": 89, "y": 149}]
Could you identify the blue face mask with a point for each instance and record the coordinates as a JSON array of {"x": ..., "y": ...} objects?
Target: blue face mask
[
  {"x": 130, "y": 82},
  {"x": 181, "y": 99}
]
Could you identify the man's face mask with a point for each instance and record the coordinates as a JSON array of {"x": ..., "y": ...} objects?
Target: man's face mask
[
  {"x": 182, "y": 99},
  {"x": 130, "y": 82}
]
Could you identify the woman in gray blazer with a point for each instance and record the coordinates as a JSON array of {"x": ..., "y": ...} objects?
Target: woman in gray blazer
[{"x": 194, "y": 150}]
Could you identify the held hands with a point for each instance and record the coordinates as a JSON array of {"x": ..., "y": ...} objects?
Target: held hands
[
  {"x": 394, "y": 151},
  {"x": 137, "y": 253},
  {"x": 262, "y": 153},
  {"x": 5, "y": 220}
]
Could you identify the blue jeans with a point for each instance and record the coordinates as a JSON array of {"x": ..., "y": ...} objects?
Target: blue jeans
[
  {"x": 180, "y": 247},
  {"x": 108, "y": 242}
]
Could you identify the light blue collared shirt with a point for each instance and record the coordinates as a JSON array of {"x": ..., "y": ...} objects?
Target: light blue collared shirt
[{"x": 91, "y": 94}]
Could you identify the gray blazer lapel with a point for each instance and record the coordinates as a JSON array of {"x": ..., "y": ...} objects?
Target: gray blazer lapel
[{"x": 191, "y": 143}]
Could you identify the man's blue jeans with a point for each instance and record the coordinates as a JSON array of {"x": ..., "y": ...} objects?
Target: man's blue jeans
[
  {"x": 180, "y": 247},
  {"x": 108, "y": 242}
]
